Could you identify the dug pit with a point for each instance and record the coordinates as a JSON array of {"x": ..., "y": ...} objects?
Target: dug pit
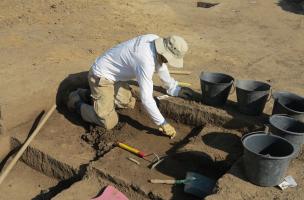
[{"x": 208, "y": 142}]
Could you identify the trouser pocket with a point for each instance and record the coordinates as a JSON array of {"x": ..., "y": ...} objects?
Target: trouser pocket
[
  {"x": 123, "y": 95},
  {"x": 102, "y": 92}
]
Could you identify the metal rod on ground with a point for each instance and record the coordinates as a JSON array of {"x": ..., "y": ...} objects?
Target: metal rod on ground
[
  {"x": 26, "y": 144},
  {"x": 180, "y": 72}
]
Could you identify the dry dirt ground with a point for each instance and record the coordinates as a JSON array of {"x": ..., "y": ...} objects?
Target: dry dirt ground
[
  {"x": 42, "y": 42},
  {"x": 25, "y": 183}
]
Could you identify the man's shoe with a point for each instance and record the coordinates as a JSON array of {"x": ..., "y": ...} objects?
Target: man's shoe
[
  {"x": 73, "y": 99},
  {"x": 84, "y": 94}
]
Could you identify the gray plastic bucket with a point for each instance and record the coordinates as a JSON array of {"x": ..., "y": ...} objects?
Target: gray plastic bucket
[
  {"x": 288, "y": 128},
  {"x": 288, "y": 103},
  {"x": 266, "y": 158},
  {"x": 252, "y": 96},
  {"x": 215, "y": 88}
]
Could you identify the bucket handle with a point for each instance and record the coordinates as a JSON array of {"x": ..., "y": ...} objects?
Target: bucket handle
[
  {"x": 266, "y": 130},
  {"x": 270, "y": 95},
  {"x": 244, "y": 136},
  {"x": 233, "y": 88}
]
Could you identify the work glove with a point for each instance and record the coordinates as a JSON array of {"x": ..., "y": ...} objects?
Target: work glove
[
  {"x": 168, "y": 130},
  {"x": 186, "y": 93}
]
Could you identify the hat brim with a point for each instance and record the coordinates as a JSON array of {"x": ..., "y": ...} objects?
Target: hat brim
[{"x": 172, "y": 60}]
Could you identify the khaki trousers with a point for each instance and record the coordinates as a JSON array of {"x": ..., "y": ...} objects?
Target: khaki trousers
[{"x": 106, "y": 95}]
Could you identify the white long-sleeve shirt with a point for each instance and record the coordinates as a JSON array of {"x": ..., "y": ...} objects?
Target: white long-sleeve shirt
[{"x": 136, "y": 59}]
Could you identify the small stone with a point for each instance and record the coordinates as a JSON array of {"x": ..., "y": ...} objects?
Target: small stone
[
  {"x": 44, "y": 191},
  {"x": 91, "y": 51}
]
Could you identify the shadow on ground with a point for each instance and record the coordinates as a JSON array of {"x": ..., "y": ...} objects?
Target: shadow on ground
[
  {"x": 177, "y": 163},
  {"x": 293, "y": 6},
  {"x": 69, "y": 84},
  {"x": 227, "y": 142},
  {"x": 62, "y": 185}
]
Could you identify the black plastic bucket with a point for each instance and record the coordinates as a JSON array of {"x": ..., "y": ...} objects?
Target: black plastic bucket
[
  {"x": 266, "y": 158},
  {"x": 288, "y": 128},
  {"x": 252, "y": 96},
  {"x": 215, "y": 88},
  {"x": 288, "y": 103}
]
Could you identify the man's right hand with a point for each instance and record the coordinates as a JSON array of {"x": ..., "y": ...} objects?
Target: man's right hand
[{"x": 168, "y": 130}]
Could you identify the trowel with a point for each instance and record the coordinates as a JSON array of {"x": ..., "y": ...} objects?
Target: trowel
[{"x": 195, "y": 184}]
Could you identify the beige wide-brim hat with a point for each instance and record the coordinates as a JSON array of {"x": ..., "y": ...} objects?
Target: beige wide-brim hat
[{"x": 173, "y": 48}]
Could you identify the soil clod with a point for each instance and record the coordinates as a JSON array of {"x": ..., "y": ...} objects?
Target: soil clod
[
  {"x": 102, "y": 140},
  {"x": 205, "y": 4}
]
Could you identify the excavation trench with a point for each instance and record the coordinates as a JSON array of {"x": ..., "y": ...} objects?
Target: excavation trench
[{"x": 208, "y": 143}]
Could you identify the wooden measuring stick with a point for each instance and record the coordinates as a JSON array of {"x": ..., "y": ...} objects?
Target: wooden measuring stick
[
  {"x": 26, "y": 144},
  {"x": 158, "y": 181},
  {"x": 180, "y": 72}
]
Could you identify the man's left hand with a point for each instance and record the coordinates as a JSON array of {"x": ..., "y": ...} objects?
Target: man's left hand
[{"x": 186, "y": 93}]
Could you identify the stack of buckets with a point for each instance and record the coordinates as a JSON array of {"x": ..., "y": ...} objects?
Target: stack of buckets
[{"x": 266, "y": 154}]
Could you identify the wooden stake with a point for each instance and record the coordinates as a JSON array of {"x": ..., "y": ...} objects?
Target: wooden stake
[
  {"x": 180, "y": 72},
  {"x": 157, "y": 181}
]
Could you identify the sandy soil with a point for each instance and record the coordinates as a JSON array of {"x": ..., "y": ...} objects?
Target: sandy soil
[
  {"x": 208, "y": 150},
  {"x": 25, "y": 183},
  {"x": 43, "y": 42}
]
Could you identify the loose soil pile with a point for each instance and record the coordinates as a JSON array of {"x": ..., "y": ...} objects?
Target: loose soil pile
[{"x": 102, "y": 140}]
